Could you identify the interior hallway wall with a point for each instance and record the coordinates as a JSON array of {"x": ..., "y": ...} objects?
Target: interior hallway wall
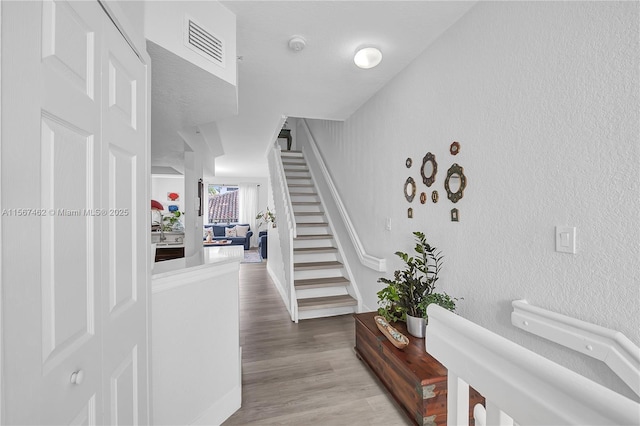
[{"x": 543, "y": 98}]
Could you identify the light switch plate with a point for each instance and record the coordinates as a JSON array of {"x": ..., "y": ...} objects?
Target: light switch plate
[
  {"x": 387, "y": 224},
  {"x": 566, "y": 239}
]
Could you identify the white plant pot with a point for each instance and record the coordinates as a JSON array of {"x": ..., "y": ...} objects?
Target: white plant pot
[{"x": 416, "y": 326}]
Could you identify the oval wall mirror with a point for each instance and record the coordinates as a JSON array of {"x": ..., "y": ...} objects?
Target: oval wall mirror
[
  {"x": 429, "y": 169},
  {"x": 410, "y": 189},
  {"x": 455, "y": 183}
]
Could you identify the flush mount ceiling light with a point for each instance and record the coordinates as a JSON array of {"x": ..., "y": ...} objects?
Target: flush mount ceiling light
[{"x": 367, "y": 57}]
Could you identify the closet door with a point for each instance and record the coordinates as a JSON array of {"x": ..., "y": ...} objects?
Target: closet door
[
  {"x": 60, "y": 301},
  {"x": 125, "y": 232}
]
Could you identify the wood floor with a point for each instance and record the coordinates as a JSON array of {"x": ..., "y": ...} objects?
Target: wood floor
[{"x": 305, "y": 373}]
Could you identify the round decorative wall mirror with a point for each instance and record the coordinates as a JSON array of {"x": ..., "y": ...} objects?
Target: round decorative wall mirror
[
  {"x": 429, "y": 169},
  {"x": 455, "y": 183},
  {"x": 423, "y": 198},
  {"x": 410, "y": 189}
]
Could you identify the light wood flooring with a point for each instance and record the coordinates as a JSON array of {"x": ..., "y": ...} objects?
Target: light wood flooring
[{"x": 305, "y": 373}]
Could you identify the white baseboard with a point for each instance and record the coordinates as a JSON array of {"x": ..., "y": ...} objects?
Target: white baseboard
[
  {"x": 222, "y": 409},
  {"x": 280, "y": 288}
]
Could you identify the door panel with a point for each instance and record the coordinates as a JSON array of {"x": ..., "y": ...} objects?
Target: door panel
[
  {"x": 122, "y": 277},
  {"x": 87, "y": 415},
  {"x": 124, "y": 319},
  {"x": 68, "y": 302},
  {"x": 68, "y": 44},
  {"x": 124, "y": 391}
]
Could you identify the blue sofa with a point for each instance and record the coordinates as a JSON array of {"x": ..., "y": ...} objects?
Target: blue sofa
[
  {"x": 262, "y": 244},
  {"x": 219, "y": 234}
]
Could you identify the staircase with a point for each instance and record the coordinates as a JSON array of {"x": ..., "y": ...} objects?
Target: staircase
[{"x": 320, "y": 280}]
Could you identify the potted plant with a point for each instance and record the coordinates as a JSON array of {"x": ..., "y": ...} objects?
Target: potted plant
[
  {"x": 172, "y": 222},
  {"x": 266, "y": 217},
  {"x": 407, "y": 295}
]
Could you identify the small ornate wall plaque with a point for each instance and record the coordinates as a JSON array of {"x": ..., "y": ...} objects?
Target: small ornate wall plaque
[{"x": 454, "y": 215}]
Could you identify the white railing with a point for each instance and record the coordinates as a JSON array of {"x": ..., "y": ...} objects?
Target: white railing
[
  {"x": 372, "y": 262},
  {"x": 519, "y": 385},
  {"x": 286, "y": 228},
  {"x": 609, "y": 346}
]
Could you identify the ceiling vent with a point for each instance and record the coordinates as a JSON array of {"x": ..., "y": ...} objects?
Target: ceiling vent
[{"x": 204, "y": 42}]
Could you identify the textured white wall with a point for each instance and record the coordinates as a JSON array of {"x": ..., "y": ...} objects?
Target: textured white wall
[
  {"x": 162, "y": 185},
  {"x": 543, "y": 98}
]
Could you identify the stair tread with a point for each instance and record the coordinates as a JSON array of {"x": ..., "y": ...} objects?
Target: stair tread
[
  {"x": 326, "y": 302},
  {"x": 302, "y": 169},
  {"x": 314, "y": 249},
  {"x": 311, "y": 224},
  {"x": 313, "y": 237},
  {"x": 308, "y": 213},
  {"x": 318, "y": 265},
  {"x": 303, "y": 194},
  {"x": 321, "y": 283},
  {"x": 300, "y": 185},
  {"x": 305, "y": 203}
]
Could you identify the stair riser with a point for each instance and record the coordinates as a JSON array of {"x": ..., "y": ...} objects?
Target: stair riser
[
  {"x": 316, "y": 208},
  {"x": 315, "y": 257},
  {"x": 291, "y": 156},
  {"x": 317, "y": 273},
  {"x": 301, "y": 181},
  {"x": 305, "y": 198},
  {"x": 305, "y": 189},
  {"x": 311, "y": 219},
  {"x": 299, "y": 174},
  {"x": 313, "y": 230},
  {"x": 321, "y": 313},
  {"x": 295, "y": 167},
  {"x": 320, "y": 292},
  {"x": 325, "y": 242}
]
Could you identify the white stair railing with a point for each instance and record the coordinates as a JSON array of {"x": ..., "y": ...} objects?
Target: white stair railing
[
  {"x": 609, "y": 346},
  {"x": 287, "y": 227},
  {"x": 520, "y": 386}
]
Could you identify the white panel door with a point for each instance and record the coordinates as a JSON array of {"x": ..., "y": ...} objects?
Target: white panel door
[
  {"x": 56, "y": 225},
  {"x": 124, "y": 154}
]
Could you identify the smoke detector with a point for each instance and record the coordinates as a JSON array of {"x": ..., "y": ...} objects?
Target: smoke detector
[{"x": 297, "y": 43}]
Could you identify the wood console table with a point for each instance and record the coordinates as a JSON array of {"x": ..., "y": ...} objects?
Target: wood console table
[{"x": 416, "y": 380}]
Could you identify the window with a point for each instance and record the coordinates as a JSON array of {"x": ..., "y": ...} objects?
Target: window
[{"x": 223, "y": 203}]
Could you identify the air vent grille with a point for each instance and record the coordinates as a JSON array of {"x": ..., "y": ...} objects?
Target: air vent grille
[{"x": 205, "y": 43}]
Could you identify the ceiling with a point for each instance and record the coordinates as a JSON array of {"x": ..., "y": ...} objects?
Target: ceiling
[{"x": 320, "y": 81}]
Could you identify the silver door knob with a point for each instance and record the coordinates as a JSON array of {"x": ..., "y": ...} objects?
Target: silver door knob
[{"x": 77, "y": 377}]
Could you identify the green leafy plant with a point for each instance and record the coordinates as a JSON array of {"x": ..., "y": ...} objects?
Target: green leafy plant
[
  {"x": 266, "y": 216},
  {"x": 411, "y": 290},
  {"x": 169, "y": 221}
]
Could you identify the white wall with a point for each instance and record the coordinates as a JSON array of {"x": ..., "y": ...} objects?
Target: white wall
[
  {"x": 161, "y": 185},
  {"x": 543, "y": 98},
  {"x": 196, "y": 347},
  {"x": 164, "y": 22}
]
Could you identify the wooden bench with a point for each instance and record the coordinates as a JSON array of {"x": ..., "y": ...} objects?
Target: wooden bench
[{"x": 416, "y": 380}]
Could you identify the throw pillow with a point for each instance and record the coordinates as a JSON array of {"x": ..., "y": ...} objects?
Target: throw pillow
[
  {"x": 218, "y": 230},
  {"x": 241, "y": 230},
  {"x": 230, "y": 232}
]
